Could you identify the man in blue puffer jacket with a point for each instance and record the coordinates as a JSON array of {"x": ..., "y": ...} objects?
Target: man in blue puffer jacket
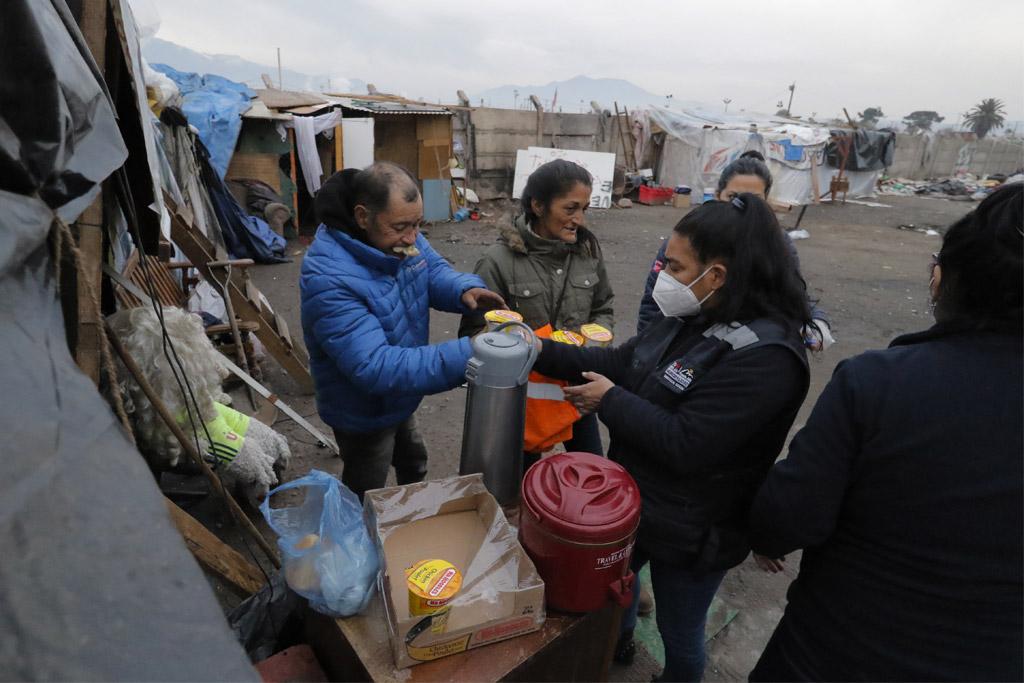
[{"x": 368, "y": 283}]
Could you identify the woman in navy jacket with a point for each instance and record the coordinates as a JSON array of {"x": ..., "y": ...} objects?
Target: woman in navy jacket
[
  {"x": 699, "y": 405},
  {"x": 904, "y": 488}
]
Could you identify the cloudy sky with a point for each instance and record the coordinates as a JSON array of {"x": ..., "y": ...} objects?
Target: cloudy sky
[{"x": 903, "y": 55}]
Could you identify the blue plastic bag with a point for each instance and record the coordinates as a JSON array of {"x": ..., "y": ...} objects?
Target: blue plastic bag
[{"x": 328, "y": 556}]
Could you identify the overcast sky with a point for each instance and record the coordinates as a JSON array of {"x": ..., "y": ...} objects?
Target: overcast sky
[{"x": 902, "y": 55}]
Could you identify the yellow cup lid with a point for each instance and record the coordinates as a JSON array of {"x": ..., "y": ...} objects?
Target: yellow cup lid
[
  {"x": 502, "y": 316},
  {"x": 433, "y": 579},
  {"x": 596, "y": 332},
  {"x": 567, "y": 337}
]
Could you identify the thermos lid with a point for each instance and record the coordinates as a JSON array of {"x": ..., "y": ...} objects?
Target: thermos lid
[
  {"x": 582, "y": 497},
  {"x": 500, "y": 360}
]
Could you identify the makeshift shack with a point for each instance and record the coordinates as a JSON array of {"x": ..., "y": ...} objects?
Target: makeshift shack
[
  {"x": 372, "y": 128},
  {"x": 698, "y": 145}
]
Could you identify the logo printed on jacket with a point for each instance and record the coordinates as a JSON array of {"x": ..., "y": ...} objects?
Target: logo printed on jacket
[{"x": 677, "y": 377}]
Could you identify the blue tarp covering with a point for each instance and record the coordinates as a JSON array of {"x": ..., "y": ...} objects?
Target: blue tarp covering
[{"x": 214, "y": 105}]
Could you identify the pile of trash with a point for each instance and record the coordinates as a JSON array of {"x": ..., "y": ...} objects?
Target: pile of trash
[{"x": 964, "y": 187}]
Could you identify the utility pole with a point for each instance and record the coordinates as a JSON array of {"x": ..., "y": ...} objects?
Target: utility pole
[
  {"x": 280, "y": 83},
  {"x": 789, "y": 109},
  {"x": 515, "y": 99},
  {"x": 726, "y": 100}
]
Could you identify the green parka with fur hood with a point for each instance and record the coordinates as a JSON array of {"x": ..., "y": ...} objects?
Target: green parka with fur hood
[{"x": 531, "y": 272}]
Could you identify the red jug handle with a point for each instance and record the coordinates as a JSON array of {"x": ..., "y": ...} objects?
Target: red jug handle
[{"x": 621, "y": 590}]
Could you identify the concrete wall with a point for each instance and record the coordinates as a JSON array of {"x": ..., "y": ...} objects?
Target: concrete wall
[
  {"x": 916, "y": 159},
  {"x": 490, "y": 137}
]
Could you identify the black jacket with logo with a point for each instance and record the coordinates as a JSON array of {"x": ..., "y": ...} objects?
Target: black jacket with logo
[{"x": 697, "y": 420}]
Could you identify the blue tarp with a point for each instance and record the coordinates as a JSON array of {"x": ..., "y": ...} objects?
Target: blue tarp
[{"x": 214, "y": 105}]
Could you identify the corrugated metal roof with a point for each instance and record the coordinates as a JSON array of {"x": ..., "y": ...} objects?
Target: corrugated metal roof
[{"x": 388, "y": 107}]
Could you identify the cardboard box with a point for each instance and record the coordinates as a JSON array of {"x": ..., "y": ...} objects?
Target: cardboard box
[
  {"x": 457, "y": 520},
  {"x": 681, "y": 201}
]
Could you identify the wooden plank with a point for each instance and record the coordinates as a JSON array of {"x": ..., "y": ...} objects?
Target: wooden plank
[
  {"x": 282, "y": 329},
  {"x": 253, "y": 295},
  {"x": 339, "y": 148},
  {"x": 89, "y": 226},
  {"x": 566, "y": 648},
  {"x": 294, "y": 175},
  {"x": 242, "y": 576},
  {"x": 195, "y": 246}
]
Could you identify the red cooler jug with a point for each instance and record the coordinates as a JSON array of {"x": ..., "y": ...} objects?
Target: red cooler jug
[{"x": 578, "y": 522}]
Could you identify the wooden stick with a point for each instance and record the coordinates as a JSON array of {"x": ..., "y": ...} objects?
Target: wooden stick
[
  {"x": 815, "y": 187},
  {"x": 239, "y": 573},
  {"x": 189, "y": 447},
  {"x": 622, "y": 136},
  {"x": 294, "y": 176},
  {"x": 339, "y": 148}
]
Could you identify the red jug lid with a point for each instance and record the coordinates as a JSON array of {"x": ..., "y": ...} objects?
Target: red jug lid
[{"x": 582, "y": 497}]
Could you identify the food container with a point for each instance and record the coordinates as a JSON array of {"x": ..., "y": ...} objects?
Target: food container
[
  {"x": 500, "y": 317},
  {"x": 578, "y": 523},
  {"x": 595, "y": 335},
  {"x": 566, "y": 337},
  {"x": 432, "y": 584}
]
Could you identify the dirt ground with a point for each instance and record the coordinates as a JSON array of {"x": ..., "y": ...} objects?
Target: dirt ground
[{"x": 870, "y": 276}]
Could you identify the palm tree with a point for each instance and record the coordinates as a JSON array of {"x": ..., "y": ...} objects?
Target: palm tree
[{"x": 985, "y": 116}]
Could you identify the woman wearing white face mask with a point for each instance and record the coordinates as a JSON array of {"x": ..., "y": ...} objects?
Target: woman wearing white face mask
[{"x": 698, "y": 407}]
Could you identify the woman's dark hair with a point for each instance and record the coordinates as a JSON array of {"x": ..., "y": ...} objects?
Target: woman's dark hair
[
  {"x": 747, "y": 165},
  {"x": 762, "y": 279},
  {"x": 752, "y": 154},
  {"x": 340, "y": 194},
  {"x": 550, "y": 181},
  {"x": 981, "y": 259}
]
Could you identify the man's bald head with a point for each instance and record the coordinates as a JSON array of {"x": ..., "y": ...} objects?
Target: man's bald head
[{"x": 378, "y": 183}]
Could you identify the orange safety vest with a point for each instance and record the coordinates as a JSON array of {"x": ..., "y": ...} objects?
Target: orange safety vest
[{"x": 549, "y": 418}]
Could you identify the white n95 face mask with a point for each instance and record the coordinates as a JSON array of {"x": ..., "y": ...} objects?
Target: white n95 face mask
[{"x": 675, "y": 299}]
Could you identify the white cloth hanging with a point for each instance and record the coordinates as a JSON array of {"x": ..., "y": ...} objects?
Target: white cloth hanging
[{"x": 306, "y": 130}]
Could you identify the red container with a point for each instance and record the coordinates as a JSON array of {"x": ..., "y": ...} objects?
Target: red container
[
  {"x": 655, "y": 195},
  {"x": 578, "y": 522}
]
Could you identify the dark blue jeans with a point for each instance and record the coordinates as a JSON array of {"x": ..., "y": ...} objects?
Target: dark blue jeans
[
  {"x": 682, "y": 599},
  {"x": 586, "y": 436}
]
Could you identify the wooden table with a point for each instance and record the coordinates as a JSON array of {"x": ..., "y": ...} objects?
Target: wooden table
[{"x": 566, "y": 648}]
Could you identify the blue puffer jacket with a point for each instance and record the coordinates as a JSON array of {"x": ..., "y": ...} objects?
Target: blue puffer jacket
[{"x": 366, "y": 321}]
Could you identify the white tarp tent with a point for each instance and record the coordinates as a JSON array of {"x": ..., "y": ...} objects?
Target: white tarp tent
[{"x": 699, "y": 145}]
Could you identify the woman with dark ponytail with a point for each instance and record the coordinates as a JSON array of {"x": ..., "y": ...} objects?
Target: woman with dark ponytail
[
  {"x": 748, "y": 173},
  {"x": 699, "y": 406},
  {"x": 905, "y": 487}
]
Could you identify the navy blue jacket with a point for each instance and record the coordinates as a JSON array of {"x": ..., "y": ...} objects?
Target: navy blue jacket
[
  {"x": 904, "y": 489},
  {"x": 697, "y": 422},
  {"x": 366, "y": 321},
  {"x": 650, "y": 313}
]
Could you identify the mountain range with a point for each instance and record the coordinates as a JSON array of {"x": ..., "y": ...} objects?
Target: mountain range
[
  {"x": 574, "y": 94},
  {"x": 157, "y": 51}
]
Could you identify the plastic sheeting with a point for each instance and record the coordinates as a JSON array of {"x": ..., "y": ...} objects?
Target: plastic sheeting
[
  {"x": 95, "y": 582},
  {"x": 698, "y": 147},
  {"x": 872, "y": 150},
  {"x": 245, "y": 236},
  {"x": 214, "y": 105},
  {"x": 46, "y": 83}
]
